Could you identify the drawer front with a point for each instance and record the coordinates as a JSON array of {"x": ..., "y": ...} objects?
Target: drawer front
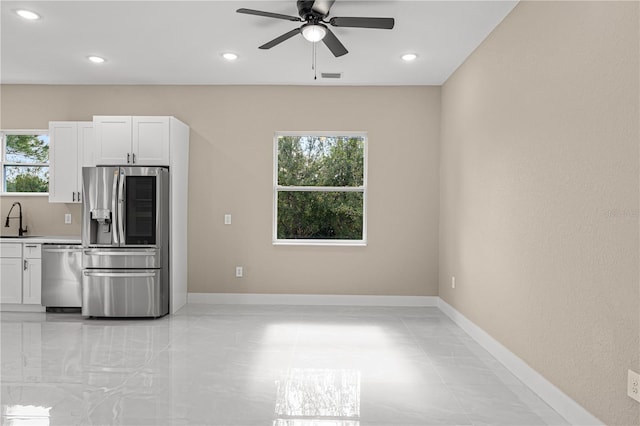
[
  {"x": 121, "y": 258},
  {"x": 32, "y": 251},
  {"x": 116, "y": 293},
  {"x": 10, "y": 249}
]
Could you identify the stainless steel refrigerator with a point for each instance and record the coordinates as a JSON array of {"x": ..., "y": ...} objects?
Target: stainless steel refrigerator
[{"x": 125, "y": 239}]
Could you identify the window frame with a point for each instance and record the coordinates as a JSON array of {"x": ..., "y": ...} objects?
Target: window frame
[
  {"x": 280, "y": 188},
  {"x": 4, "y": 162}
]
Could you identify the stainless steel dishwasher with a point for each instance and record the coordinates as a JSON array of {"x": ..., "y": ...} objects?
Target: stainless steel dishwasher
[{"x": 62, "y": 276}]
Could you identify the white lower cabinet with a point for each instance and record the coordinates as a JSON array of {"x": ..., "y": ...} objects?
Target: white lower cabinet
[
  {"x": 11, "y": 273},
  {"x": 10, "y": 280},
  {"x": 21, "y": 273},
  {"x": 31, "y": 274}
]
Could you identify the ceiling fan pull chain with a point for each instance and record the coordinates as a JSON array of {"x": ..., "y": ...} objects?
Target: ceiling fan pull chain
[{"x": 314, "y": 64}]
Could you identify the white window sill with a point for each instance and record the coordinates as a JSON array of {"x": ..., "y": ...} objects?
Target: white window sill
[{"x": 331, "y": 243}]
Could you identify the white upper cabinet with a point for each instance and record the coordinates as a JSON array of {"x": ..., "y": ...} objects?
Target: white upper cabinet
[
  {"x": 122, "y": 140},
  {"x": 86, "y": 145},
  {"x": 151, "y": 141},
  {"x": 71, "y": 148},
  {"x": 112, "y": 139}
]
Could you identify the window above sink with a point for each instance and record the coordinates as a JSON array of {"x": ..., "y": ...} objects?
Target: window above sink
[{"x": 24, "y": 161}]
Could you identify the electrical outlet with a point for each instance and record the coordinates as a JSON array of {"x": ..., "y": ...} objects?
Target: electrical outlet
[
  {"x": 227, "y": 219},
  {"x": 239, "y": 272},
  {"x": 67, "y": 218},
  {"x": 633, "y": 385},
  {"x": 453, "y": 282}
]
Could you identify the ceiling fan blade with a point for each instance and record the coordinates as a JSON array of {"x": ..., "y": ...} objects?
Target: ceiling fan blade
[
  {"x": 381, "y": 23},
  {"x": 322, "y": 6},
  {"x": 276, "y": 41},
  {"x": 269, "y": 14},
  {"x": 334, "y": 45}
]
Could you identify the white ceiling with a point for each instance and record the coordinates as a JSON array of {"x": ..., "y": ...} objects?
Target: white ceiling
[{"x": 181, "y": 42}]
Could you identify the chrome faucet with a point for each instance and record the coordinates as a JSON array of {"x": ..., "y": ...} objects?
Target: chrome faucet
[{"x": 6, "y": 224}]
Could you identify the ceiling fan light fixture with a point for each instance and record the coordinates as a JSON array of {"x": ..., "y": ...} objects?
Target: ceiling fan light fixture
[{"x": 314, "y": 33}]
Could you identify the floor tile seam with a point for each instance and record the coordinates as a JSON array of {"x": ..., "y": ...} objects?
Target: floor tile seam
[
  {"x": 415, "y": 341},
  {"x": 475, "y": 347},
  {"x": 465, "y": 411},
  {"x": 437, "y": 371},
  {"x": 511, "y": 387}
]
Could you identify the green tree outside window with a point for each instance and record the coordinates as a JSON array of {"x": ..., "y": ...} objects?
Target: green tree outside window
[{"x": 320, "y": 187}]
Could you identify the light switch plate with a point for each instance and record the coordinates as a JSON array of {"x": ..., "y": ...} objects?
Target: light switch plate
[
  {"x": 227, "y": 219},
  {"x": 67, "y": 218}
]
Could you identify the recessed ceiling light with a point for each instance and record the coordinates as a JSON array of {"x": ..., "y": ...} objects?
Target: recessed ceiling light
[
  {"x": 96, "y": 59},
  {"x": 230, "y": 56},
  {"x": 27, "y": 14},
  {"x": 408, "y": 57}
]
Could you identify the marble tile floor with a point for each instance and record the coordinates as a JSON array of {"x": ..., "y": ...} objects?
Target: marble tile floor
[{"x": 257, "y": 365}]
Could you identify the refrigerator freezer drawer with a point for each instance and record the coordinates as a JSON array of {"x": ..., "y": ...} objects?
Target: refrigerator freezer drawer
[
  {"x": 121, "y": 258},
  {"x": 118, "y": 293}
]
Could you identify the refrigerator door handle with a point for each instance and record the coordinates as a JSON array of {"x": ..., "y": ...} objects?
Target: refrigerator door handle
[
  {"x": 121, "y": 210},
  {"x": 120, "y": 274},
  {"x": 114, "y": 212}
]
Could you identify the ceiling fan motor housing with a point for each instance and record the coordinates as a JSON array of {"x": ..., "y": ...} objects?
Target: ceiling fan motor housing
[{"x": 306, "y": 12}]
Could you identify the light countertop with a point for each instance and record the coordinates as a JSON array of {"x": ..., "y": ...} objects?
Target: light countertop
[{"x": 49, "y": 239}]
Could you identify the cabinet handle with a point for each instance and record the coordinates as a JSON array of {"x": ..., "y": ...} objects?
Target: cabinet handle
[
  {"x": 134, "y": 157},
  {"x": 128, "y": 155},
  {"x": 24, "y": 264},
  {"x": 74, "y": 196},
  {"x": 78, "y": 196}
]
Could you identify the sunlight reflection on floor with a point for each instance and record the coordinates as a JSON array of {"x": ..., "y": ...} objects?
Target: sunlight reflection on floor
[
  {"x": 23, "y": 415},
  {"x": 314, "y": 389}
]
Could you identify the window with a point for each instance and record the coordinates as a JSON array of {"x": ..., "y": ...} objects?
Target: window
[
  {"x": 320, "y": 182},
  {"x": 25, "y": 162}
]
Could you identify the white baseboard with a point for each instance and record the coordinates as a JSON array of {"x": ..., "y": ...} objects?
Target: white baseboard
[
  {"x": 310, "y": 299},
  {"x": 17, "y": 307},
  {"x": 558, "y": 400}
]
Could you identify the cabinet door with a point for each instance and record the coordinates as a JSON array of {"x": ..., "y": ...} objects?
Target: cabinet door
[
  {"x": 112, "y": 140},
  {"x": 86, "y": 145},
  {"x": 63, "y": 158},
  {"x": 151, "y": 141},
  {"x": 11, "y": 280},
  {"x": 32, "y": 282}
]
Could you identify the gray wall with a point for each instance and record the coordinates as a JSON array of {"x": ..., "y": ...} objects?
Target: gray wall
[
  {"x": 231, "y": 171},
  {"x": 539, "y": 195}
]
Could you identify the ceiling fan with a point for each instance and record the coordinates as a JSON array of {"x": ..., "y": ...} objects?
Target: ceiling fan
[{"x": 314, "y": 14}]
